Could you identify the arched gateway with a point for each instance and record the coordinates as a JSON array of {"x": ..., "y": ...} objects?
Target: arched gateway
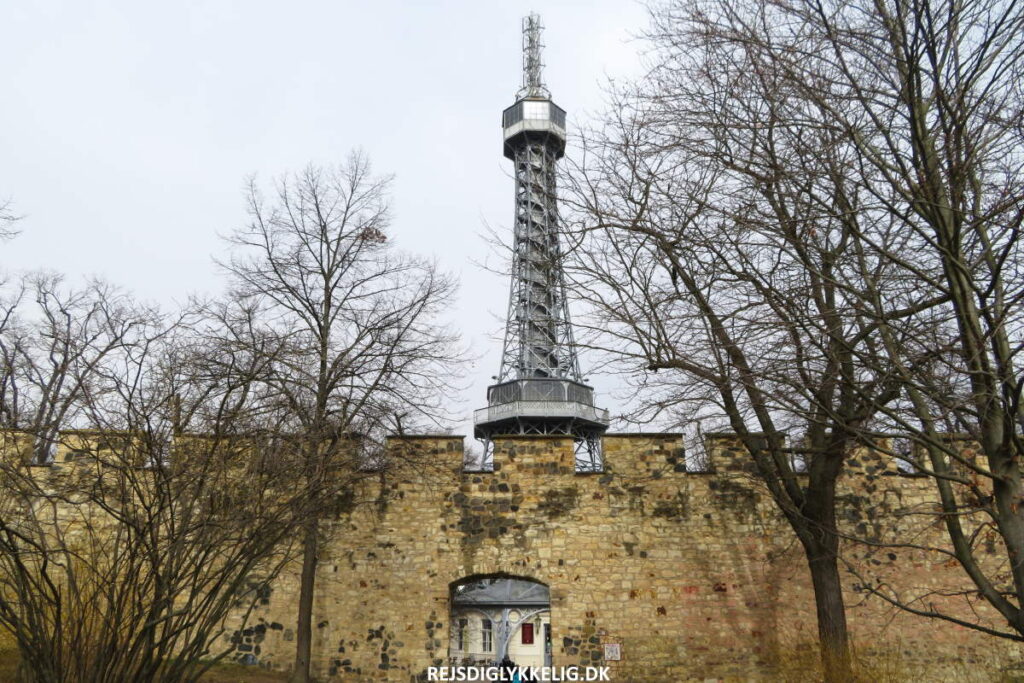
[{"x": 498, "y": 616}]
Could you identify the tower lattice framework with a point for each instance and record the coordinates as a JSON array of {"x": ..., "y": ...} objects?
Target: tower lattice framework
[
  {"x": 540, "y": 389},
  {"x": 538, "y": 338}
]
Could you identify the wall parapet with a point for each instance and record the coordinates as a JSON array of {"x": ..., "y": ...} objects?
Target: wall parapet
[{"x": 654, "y": 454}]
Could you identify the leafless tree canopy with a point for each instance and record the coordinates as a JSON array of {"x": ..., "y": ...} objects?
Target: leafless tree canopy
[
  {"x": 56, "y": 342},
  {"x": 356, "y": 321},
  {"x": 135, "y": 517},
  {"x": 346, "y": 330},
  {"x": 159, "y": 472},
  {"x": 7, "y": 221},
  {"x": 804, "y": 223}
]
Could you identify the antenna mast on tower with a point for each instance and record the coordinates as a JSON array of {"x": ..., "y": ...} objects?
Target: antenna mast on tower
[
  {"x": 533, "y": 84},
  {"x": 540, "y": 389}
]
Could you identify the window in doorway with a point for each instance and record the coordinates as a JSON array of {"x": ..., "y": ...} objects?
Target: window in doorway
[{"x": 488, "y": 635}]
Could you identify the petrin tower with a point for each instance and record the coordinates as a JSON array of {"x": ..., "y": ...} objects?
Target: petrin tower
[{"x": 540, "y": 389}]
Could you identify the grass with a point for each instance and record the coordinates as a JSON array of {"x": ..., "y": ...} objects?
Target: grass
[
  {"x": 801, "y": 664},
  {"x": 8, "y": 664},
  {"x": 220, "y": 673},
  {"x": 239, "y": 673}
]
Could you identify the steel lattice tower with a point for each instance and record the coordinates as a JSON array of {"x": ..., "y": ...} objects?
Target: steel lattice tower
[{"x": 540, "y": 389}]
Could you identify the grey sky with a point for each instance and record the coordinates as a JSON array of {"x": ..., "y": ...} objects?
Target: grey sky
[{"x": 128, "y": 128}]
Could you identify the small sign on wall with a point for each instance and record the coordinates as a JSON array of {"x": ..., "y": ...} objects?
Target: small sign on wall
[{"x": 612, "y": 652}]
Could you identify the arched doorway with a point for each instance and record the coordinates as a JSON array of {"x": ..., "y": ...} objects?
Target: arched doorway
[{"x": 497, "y": 616}]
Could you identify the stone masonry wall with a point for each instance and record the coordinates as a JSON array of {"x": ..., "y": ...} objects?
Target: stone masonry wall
[{"x": 693, "y": 574}]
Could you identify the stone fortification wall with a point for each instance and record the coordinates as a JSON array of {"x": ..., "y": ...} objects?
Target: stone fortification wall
[{"x": 694, "y": 575}]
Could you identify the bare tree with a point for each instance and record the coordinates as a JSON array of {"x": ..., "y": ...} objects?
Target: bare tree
[
  {"x": 812, "y": 210},
  {"x": 152, "y": 513},
  {"x": 52, "y": 340},
  {"x": 709, "y": 245},
  {"x": 354, "y": 325},
  {"x": 683, "y": 280},
  {"x": 928, "y": 93},
  {"x": 7, "y": 220},
  {"x": 928, "y": 96}
]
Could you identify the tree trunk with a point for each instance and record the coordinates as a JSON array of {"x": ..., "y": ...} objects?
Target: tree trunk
[
  {"x": 833, "y": 638},
  {"x": 304, "y": 628}
]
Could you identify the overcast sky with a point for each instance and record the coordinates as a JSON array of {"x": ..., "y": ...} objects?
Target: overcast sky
[{"x": 127, "y": 128}]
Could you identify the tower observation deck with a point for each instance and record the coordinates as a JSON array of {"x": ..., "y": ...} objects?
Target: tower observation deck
[{"x": 539, "y": 387}]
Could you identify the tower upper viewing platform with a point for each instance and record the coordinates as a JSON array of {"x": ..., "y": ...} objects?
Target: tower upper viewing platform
[{"x": 533, "y": 115}]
